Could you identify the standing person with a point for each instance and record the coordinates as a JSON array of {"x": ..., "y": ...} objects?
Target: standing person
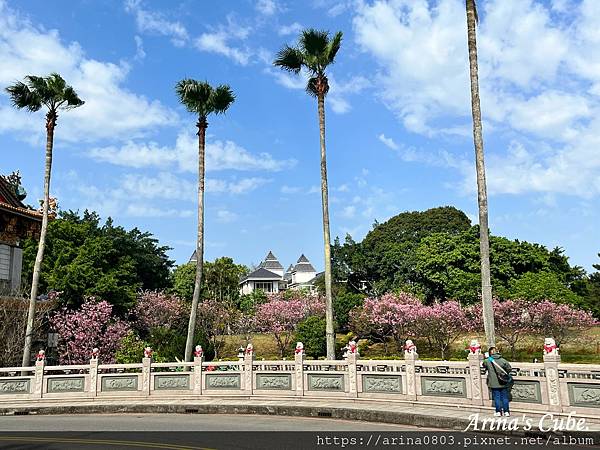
[{"x": 499, "y": 380}]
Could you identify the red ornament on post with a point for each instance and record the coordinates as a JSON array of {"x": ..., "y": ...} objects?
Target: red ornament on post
[
  {"x": 95, "y": 353},
  {"x": 198, "y": 352},
  {"x": 41, "y": 355},
  {"x": 148, "y": 352}
]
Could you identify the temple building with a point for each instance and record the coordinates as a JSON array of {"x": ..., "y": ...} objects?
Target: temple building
[
  {"x": 17, "y": 223},
  {"x": 270, "y": 277}
]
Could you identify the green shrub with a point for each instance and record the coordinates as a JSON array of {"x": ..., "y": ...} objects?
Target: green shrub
[{"x": 311, "y": 332}]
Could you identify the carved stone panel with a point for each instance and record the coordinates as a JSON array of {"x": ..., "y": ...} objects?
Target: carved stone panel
[
  {"x": 70, "y": 384},
  {"x": 279, "y": 382},
  {"x": 444, "y": 387},
  {"x": 126, "y": 383},
  {"x": 11, "y": 387},
  {"x": 526, "y": 391},
  {"x": 585, "y": 395},
  {"x": 318, "y": 382},
  {"x": 219, "y": 381},
  {"x": 171, "y": 382},
  {"x": 382, "y": 383}
]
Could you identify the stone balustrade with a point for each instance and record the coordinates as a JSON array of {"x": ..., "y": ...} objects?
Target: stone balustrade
[{"x": 545, "y": 386}]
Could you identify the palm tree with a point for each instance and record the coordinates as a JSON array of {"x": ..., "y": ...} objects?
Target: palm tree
[
  {"x": 314, "y": 53},
  {"x": 484, "y": 238},
  {"x": 202, "y": 99},
  {"x": 53, "y": 93}
]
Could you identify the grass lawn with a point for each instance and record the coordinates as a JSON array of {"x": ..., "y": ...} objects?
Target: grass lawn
[{"x": 584, "y": 349}]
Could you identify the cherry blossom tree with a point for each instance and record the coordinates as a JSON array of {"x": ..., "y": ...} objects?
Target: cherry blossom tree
[
  {"x": 215, "y": 320},
  {"x": 280, "y": 316},
  {"x": 391, "y": 316},
  {"x": 560, "y": 321},
  {"x": 92, "y": 325},
  {"x": 154, "y": 309},
  {"x": 442, "y": 324}
]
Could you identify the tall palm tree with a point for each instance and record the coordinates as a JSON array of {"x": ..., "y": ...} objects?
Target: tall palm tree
[
  {"x": 316, "y": 51},
  {"x": 202, "y": 99},
  {"x": 53, "y": 93},
  {"x": 484, "y": 238}
]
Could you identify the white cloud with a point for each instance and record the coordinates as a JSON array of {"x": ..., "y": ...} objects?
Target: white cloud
[
  {"x": 291, "y": 190},
  {"x": 348, "y": 211},
  {"x": 219, "y": 40},
  {"x": 388, "y": 142},
  {"x": 140, "y": 53},
  {"x": 226, "y": 216},
  {"x": 220, "y": 155},
  {"x": 242, "y": 186},
  {"x": 540, "y": 93},
  {"x": 110, "y": 112},
  {"x": 292, "y": 29},
  {"x": 266, "y": 7},
  {"x": 156, "y": 23}
]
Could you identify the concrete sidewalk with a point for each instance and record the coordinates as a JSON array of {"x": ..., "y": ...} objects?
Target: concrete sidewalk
[{"x": 430, "y": 416}]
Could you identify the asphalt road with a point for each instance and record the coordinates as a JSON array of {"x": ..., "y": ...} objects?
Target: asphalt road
[{"x": 186, "y": 422}]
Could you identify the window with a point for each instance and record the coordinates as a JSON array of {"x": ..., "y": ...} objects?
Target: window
[
  {"x": 266, "y": 287},
  {"x": 4, "y": 262}
]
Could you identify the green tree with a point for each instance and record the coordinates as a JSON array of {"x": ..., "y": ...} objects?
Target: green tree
[
  {"x": 343, "y": 303},
  {"x": 220, "y": 282},
  {"x": 484, "y": 244},
  {"x": 53, "y": 93},
  {"x": 201, "y": 99},
  {"x": 311, "y": 332},
  {"x": 315, "y": 52},
  {"x": 542, "y": 286},
  {"x": 591, "y": 295},
  {"x": 385, "y": 260},
  {"x": 87, "y": 258}
]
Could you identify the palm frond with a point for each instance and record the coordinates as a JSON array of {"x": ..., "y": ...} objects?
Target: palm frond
[
  {"x": 39, "y": 85},
  {"x": 314, "y": 42},
  {"x": 290, "y": 59},
  {"x": 71, "y": 99},
  {"x": 194, "y": 95},
  {"x": 314, "y": 84},
  {"x": 221, "y": 99},
  {"x": 23, "y": 97},
  {"x": 333, "y": 47}
]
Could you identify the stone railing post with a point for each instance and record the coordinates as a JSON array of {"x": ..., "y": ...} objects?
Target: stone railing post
[
  {"x": 248, "y": 363},
  {"x": 146, "y": 377},
  {"x": 38, "y": 381},
  {"x": 352, "y": 374},
  {"x": 197, "y": 375},
  {"x": 299, "y": 372},
  {"x": 475, "y": 360},
  {"x": 410, "y": 358},
  {"x": 94, "y": 377},
  {"x": 551, "y": 362}
]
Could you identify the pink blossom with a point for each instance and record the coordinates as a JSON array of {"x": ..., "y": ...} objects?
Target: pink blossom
[{"x": 91, "y": 326}]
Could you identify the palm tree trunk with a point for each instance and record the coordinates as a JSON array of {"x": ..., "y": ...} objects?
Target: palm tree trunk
[
  {"x": 330, "y": 335},
  {"x": 202, "y": 124},
  {"x": 51, "y": 118},
  {"x": 484, "y": 239}
]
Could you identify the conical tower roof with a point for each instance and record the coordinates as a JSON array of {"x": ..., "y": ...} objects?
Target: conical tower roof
[{"x": 303, "y": 265}]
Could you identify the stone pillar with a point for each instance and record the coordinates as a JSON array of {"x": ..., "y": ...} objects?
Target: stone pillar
[
  {"x": 411, "y": 378},
  {"x": 38, "y": 381},
  {"x": 197, "y": 375},
  {"x": 551, "y": 362},
  {"x": 146, "y": 376},
  {"x": 94, "y": 377},
  {"x": 248, "y": 363},
  {"x": 475, "y": 360},
  {"x": 352, "y": 375},
  {"x": 299, "y": 373}
]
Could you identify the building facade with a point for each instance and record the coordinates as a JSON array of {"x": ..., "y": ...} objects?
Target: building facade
[
  {"x": 17, "y": 223},
  {"x": 269, "y": 276}
]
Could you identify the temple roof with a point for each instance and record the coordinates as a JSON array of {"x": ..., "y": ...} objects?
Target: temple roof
[
  {"x": 261, "y": 274},
  {"x": 271, "y": 262},
  {"x": 303, "y": 265},
  {"x": 11, "y": 196}
]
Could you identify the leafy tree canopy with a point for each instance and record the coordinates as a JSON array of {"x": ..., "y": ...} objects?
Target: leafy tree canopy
[
  {"x": 220, "y": 280},
  {"x": 86, "y": 258}
]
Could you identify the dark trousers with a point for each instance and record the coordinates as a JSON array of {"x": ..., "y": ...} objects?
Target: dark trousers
[{"x": 500, "y": 396}]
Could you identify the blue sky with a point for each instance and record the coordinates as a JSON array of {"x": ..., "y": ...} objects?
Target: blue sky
[{"x": 398, "y": 118}]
